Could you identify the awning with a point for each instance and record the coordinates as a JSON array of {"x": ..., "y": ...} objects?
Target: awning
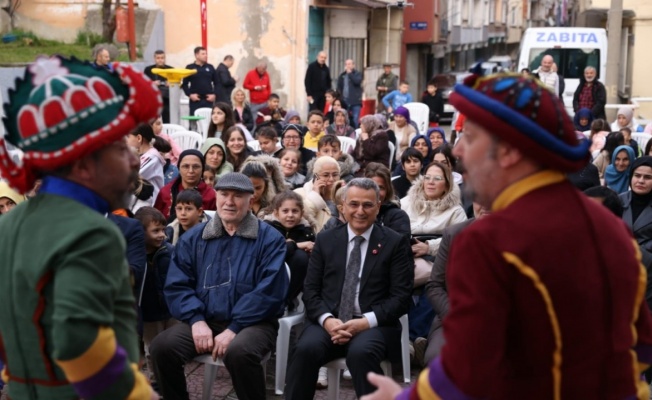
[{"x": 351, "y": 3}]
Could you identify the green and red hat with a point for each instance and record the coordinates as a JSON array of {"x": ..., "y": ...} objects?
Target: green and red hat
[
  {"x": 526, "y": 114},
  {"x": 64, "y": 109}
]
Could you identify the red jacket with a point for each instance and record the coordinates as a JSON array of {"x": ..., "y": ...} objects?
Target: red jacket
[
  {"x": 164, "y": 199},
  {"x": 253, "y": 79},
  {"x": 547, "y": 301}
]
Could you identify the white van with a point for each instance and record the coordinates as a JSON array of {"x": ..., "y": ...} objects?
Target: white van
[{"x": 572, "y": 48}]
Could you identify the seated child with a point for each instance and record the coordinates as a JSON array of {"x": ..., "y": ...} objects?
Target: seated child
[
  {"x": 288, "y": 219},
  {"x": 331, "y": 146},
  {"x": 315, "y": 129},
  {"x": 338, "y": 218},
  {"x": 189, "y": 213},
  {"x": 154, "y": 310},
  {"x": 272, "y": 114},
  {"x": 627, "y": 135},
  {"x": 268, "y": 139},
  {"x": 398, "y": 97},
  {"x": 290, "y": 161},
  {"x": 209, "y": 176},
  {"x": 411, "y": 161}
]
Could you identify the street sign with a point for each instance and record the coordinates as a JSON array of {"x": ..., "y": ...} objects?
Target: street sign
[{"x": 418, "y": 26}]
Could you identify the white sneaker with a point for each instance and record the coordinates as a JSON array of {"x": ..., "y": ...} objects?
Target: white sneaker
[
  {"x": 347, "y": 374},
  {"x": 322, "y": 379}
]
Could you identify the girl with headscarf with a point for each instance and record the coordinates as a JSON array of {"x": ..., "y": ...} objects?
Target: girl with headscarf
[
  {"x": 403, "y": 130},
  {"x": 583, "y": 119},
  {"x": 617, "y": 173},
  {"x": 423, "y": 145},
  {"x": 625, "y": 119},
  {"x": 340, "y": 125},
  {"x": 372, "y": 145}
]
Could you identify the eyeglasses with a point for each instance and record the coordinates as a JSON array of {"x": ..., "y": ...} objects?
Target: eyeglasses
[
  {"x": 365, "y": 206},
  {"x": 334, "y": 175},
  {"x": 433, "y": 178},
  {"x": 291, "y": 137}
]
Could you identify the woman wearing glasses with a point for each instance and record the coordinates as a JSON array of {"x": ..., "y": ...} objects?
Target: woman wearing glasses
[
  {"x": 292, "y": 138},
  {"x": 318, "y": 193},
  {"x": 433, "y": 203}
]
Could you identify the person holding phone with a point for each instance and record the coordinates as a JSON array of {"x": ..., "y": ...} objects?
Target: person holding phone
[{"x": 318, "y": 193}]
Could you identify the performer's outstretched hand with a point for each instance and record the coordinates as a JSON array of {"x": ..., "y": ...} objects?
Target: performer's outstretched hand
[{"x": 388, "y": 389}]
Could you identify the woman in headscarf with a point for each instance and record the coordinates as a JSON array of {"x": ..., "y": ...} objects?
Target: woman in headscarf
[
  {"x": 637, "y": 212},
  {"x": 340, "y": 125},
  {"x": 625, "y": 119},
  {"x": 403, "y": 130},
  {"x": 617, "y": 173},
  {"x": 583, "y": 119},
  {"x": 603, "y": 159},
  {"x": 372, "y": 145}
]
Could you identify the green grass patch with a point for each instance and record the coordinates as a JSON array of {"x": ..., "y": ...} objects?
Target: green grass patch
[{"x": 27, "y": 47}]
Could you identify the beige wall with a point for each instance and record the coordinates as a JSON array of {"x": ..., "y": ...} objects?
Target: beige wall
[
  {"x": 251, "y": 30},
  {"x": 270, "y": 30},
  {"x": 53, "y": 19},
  {"x": 641, "y": 57}
]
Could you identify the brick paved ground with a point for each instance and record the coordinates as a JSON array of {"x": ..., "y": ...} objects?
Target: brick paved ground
[{"x": 222, "y": 388}]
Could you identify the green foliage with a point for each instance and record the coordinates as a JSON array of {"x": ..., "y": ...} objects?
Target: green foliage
[
  {"x": 89, "y": 39},
  {"x": 29, "y": 46}
]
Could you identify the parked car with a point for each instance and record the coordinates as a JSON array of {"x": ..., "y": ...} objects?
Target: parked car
[{"x": 505, "y": 62}]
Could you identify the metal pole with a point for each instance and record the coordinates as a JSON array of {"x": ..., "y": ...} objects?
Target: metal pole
[
  {"x": 614, "y": 26},
  {"x": 387, "y": 37},
  {"x": 132, "y": 30},
  {"x": 175, "y": 99}
]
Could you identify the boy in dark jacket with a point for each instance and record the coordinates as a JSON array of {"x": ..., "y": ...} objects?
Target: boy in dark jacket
[
  {"x": 154, "y": 310},
  {"x": 299, "y": 234},
  {"x": 435, "y": 102},
  {"x": 189, "y": 213}
]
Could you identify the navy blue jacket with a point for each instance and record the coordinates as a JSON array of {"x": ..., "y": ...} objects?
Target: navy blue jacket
[
  {"x": 134, "y": 235},
  {"x": 240, "y": 279}
]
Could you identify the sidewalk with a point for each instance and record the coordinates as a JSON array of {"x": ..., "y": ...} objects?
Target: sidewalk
[{"x": 222, "y": 388}]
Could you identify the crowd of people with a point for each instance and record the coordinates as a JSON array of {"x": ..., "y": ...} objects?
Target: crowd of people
[{"x": 351, "y": 218}]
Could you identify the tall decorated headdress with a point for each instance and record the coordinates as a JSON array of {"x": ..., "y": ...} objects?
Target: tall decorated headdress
[{"x": 64, "y": 109}]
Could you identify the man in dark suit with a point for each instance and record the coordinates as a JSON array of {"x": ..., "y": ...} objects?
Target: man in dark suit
[
  {"x": 317, "y": 82},
  {"x": 225, "y": 82},
  {"x": 358, "y": 285}
]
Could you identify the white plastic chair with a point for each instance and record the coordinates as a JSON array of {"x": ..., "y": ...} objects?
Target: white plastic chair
[
  {"x": 335, "y": 366},
  {"x": 187, "y": 139},
  {"x": 285, "y": 325},
  {"x": 642, "y": 138},
  {"x": 347, "y": 144},
  {"x": 420, "y": 114},
  {"x": 202, "y": 124},
  {"x": 210, "y": 372},
  {"x": 392, "y": 150},
  {"x": 169, "y": 129}
]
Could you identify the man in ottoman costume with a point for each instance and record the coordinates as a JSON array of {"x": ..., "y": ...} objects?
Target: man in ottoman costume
[
  {"x": 67, "y": 314},
  {"x": 547, "y": 292}
]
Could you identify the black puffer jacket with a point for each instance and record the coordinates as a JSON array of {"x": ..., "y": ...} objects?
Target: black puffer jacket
[
  {"x": 302, "y": 232},
  {"x": 391, "y": 216}
]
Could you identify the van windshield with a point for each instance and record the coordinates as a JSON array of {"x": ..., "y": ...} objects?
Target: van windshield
[{"x": 570, "y": 62}]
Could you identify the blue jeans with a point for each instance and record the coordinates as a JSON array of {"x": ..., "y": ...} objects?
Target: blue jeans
[{"x": 355, "y": 115}]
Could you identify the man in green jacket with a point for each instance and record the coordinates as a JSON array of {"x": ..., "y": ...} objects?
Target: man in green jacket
[{"x": 67, "y": 312}]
